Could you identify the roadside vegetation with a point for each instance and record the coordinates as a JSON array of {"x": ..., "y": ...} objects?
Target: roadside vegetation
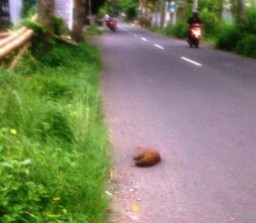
[
  {"x": 239, "y": 38},
  {"x": 54, "y": 161},
  {"x": 243, "y": 36},
  {"x": 237, "y": 33}
]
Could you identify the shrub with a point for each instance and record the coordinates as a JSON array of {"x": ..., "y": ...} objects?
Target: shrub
[
  {"x": 247, "y": 46},
  {"x": 228, "y": 37}
]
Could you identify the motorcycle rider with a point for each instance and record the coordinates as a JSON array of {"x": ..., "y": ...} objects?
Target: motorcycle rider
[
  {"x": 194, "y": 19},
  {"x": 106, "y": 17}
]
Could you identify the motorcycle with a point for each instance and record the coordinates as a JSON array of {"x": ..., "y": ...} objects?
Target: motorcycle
[
  {"x": 194, "y": 35},
  {"x": 111, "y": 24}
]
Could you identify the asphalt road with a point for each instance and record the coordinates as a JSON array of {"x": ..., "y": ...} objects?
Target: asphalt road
[{"x": 197, "y": 107}]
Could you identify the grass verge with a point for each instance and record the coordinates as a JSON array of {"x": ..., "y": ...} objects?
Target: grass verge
[{"x": 54, "y": 160}]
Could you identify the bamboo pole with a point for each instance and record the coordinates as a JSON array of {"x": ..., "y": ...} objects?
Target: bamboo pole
[
  {"x": 12, "y": 37},
  {"x": 17, "y": 42},
  {"x": 4, "y": 35}
]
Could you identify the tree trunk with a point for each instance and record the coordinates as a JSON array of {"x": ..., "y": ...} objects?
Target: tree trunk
[
  {"x": 240, "y": 11},
  {"x": 78, "y": 23},
  {"x": 46, "y": 14},
  {"x": 162, "y": 10}
]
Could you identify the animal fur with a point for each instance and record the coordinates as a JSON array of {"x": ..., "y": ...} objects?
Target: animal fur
[{"x": 146, "y": 157}]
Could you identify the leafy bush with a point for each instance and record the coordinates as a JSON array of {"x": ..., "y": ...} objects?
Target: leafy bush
[
  {"x": 228, "y": 37},
  {"x": 247, "y": 46},
  {"x": 179, "y": 30}
]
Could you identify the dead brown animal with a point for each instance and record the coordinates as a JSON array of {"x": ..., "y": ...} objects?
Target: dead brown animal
[{"x": 147, "y": 157}]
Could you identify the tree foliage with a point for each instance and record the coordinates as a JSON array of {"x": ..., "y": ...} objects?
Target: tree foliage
[
  {"x": 211, "y": 21},
  {"x": 130, "y": 8},
  {"x": 215, "y": 7}
]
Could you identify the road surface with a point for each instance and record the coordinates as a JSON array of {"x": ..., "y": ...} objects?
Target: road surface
[{"x": 197, "y": 107}]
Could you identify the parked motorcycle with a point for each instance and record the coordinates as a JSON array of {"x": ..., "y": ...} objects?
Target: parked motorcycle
[
  {"x": 111, "y": 24},
  {"x": 194, "y": 35}
]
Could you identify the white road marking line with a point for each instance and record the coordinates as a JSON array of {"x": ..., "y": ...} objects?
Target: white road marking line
[
  {"x": 192, "y": 61},
  {"x": 144, "y": 39},
  {"x": 158, "y": 46},
  {"x": 135, "y": 35}
]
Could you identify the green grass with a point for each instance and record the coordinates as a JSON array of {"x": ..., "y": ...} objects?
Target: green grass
[{"x": 54, "y": 160}]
